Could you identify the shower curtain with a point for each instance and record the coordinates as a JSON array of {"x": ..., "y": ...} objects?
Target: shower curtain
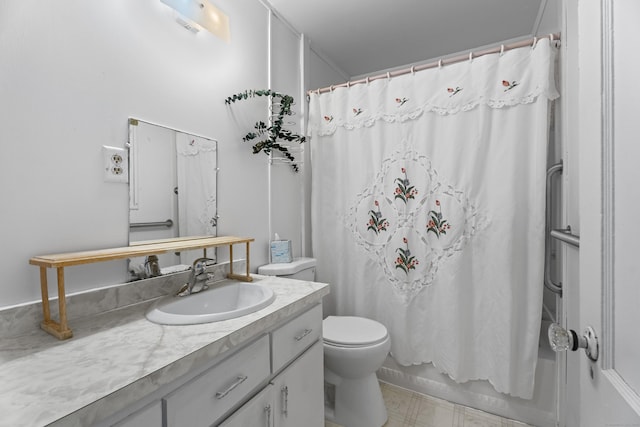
[{"x": 428, "y": 201}]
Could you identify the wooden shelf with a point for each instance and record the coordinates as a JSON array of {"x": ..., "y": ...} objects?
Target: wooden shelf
[{"x": 60, "y": 329}]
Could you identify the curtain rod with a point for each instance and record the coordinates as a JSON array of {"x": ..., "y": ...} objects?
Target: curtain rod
[{"x": 498, "y": 49}]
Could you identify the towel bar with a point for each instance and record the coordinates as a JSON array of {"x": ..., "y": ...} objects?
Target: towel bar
[{"x": 168, "y": 223}]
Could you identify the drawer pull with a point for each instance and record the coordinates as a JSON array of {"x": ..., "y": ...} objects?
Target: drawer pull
[
  {"x": 239, "y": 380},
  {"x": 303, "y": 334},
  {"x": 267, "y": 412},
  {"x": 285, "y": 400}
]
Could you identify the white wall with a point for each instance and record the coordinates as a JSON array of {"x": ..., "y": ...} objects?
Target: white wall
[
  {"x": 319, "y": 72},
  {"x": 286, "y": 184},
  {"x": 71, "y": 74}
]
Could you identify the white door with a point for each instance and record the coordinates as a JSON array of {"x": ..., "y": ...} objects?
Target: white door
[{"x": 608, "y": 128}]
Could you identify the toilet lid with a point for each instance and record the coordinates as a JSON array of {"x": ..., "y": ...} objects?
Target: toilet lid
[{"x": 352, "y": 331}]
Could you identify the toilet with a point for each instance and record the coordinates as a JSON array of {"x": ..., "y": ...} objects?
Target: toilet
[{"x": 354, "y": 349}]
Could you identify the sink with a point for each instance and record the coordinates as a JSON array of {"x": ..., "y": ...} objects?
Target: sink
[{"x": 224, "y": 301}]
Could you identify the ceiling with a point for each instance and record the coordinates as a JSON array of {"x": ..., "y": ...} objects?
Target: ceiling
[{"x": 364, "y": 36}]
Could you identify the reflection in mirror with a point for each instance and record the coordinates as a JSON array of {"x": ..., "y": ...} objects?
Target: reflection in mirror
[{"x": 172, "y": 194}]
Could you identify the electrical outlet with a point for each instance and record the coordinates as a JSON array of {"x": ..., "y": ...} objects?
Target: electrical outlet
[{"x": 116, "y": 168}]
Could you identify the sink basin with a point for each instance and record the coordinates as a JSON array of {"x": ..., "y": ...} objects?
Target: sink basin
[{"x": 227, "y": 300}]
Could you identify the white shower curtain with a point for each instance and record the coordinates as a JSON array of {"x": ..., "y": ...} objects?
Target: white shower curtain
[{"x": 428, "y": 211}]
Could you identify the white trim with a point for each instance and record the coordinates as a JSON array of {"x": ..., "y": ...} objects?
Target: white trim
[
  {"x": 303, "y": 131},
  {"x": 133, "y": 167},
  {"x": 270, "y": 122},
  {"x": 628, "y": 394},
  {"x": 608, "y": 188}
]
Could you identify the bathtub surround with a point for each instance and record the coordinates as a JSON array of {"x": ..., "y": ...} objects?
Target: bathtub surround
[{"x": 438, "y": 182}]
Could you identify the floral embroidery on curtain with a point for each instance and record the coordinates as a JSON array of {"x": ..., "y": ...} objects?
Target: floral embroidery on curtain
[{"x": 412, "y": 196}]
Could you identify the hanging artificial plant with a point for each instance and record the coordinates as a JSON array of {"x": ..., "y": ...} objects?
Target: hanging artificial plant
[{"x": 270, "y": 135}]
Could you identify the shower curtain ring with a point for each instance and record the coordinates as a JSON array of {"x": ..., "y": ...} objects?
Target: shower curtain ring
[
  {"x": 501, "y": 49},
  {"x": 413, "y": 70},
  {"x": 439, "y": 63},
  {"x": 470, "y": 56},
  {"x": 388, "y": 75},
  {"x": 535, "y": 40},
  {"x": 367, "y": 80},
  {"x": 331, "y": 88}
]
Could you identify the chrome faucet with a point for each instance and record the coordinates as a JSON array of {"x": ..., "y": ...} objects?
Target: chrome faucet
[{"x": 197, "y": 279}]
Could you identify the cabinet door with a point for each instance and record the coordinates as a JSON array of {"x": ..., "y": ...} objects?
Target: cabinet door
[
  {"x": 299, "y": 391},
  {"x": 258, "y": 412}
]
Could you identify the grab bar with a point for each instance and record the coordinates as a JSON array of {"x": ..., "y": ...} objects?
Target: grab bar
[
  {"x": 168, "y": 223},
  {"x": 556, "y": 288},
  {"x": 564, "y": 235}
]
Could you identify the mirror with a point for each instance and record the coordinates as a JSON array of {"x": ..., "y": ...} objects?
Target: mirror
[{"x": 172, "y": 193}]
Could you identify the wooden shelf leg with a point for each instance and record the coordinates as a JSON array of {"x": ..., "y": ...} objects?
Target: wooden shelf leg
[
  {"x": 62, "y": 300},
  {"x": 60, "y": 329},
  {"x": 44, "y": 288},
  {"x": 248, "y": 275},
  {"x": 242, "y": 277}
]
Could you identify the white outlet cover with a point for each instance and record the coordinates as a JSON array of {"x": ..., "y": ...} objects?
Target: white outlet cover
[{"x": 115, "y": 163}]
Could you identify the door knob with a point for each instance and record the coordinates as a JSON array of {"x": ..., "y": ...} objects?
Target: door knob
[{"x": 563, "y": 340}]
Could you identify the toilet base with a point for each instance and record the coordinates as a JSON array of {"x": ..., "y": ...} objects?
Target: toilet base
[{"x": 358, "y": 403}]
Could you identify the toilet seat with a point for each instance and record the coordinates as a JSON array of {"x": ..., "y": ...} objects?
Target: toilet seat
[{"x": 352, "y": 331}]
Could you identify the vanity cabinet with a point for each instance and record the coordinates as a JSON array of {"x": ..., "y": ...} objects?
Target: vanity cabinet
[
  {"x": 274, "y": 381},
  {"x": 294, "y": 398}
]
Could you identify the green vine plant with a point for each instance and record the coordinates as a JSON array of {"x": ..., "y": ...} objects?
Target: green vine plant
[{"x": 269, "y": 136}]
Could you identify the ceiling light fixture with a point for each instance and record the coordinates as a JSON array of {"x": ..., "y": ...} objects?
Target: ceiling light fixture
[{"x": 196, "y": 14}]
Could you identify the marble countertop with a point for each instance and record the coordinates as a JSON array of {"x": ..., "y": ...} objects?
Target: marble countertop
[{"x": 119, "y": 357}]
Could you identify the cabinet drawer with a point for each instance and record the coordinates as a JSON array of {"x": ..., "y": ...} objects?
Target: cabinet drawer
[
  {"x": 206, "y": 398},
  {"x": 295, "y": 336}
]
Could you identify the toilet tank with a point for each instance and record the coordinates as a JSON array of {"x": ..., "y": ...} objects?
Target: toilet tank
[{"x": 299, "y": 268}]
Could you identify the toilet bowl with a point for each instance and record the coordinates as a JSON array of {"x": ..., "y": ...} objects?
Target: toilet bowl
[{"x": 354, "y": 349}]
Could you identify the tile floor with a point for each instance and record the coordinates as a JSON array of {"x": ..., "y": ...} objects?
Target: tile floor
[{"x": 409, "y": 409}]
